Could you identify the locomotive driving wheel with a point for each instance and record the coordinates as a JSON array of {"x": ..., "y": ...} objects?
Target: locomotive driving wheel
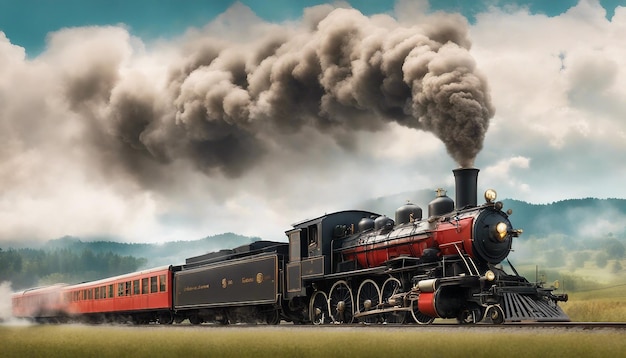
[
  {"x": 318, "y": 308},
  {"x": 368, "y": 298},
  {"x": 341, "y": 302},
  {"x": 418, "y": 316},
  {"x": 391, "y": 286}
]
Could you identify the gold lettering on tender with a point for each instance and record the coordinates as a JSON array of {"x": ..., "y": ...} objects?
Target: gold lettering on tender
[
  {"x": 247, "y": 280},
  {"x": 196, "y": 288}
]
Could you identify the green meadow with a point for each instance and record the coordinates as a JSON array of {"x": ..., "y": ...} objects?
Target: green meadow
[
  {"x": 289, "y": 341},
  {"x": 606, "y": 304}
]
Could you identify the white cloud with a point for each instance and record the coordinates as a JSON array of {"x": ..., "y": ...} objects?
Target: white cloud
[
  {"x": 507, "y": 172},
  {"x": 557, "y": 85}
]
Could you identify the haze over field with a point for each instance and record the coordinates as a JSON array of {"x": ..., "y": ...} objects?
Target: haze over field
[{"x": 248, "y": 120}]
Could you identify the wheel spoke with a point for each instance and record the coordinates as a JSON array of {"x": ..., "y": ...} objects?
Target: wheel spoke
[
  {"x": 318, "y": 308},
  {"x": 368, "y": 298},
  {"x": 391, "y": 286},
  {"x": 341, "y": 302},
  {"x": 418, "y": 316}
]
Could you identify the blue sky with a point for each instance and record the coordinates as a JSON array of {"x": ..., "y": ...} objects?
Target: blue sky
[
  {"x": 26, "y": 22},
  {"x": 126, "y": 130}
]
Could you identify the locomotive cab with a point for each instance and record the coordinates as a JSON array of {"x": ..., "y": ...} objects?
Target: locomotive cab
[{"x": 310, "y": 246}]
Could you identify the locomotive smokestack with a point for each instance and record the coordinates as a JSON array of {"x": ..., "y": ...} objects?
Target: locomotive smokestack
[{"x": 466, "y": 180}]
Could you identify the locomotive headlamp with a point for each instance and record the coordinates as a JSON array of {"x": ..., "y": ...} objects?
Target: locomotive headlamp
[
  {"x": 501, "y": 231},
  {"x": 490, "y": 195},
  {"x": 490, "y": 276}
]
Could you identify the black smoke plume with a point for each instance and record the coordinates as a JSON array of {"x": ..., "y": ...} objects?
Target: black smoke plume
[{"x": 338, "y": 72}]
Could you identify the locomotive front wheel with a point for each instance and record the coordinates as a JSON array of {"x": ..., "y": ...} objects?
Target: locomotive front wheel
[
  {"x": 418, "y": 316},
  {"x": 469, "y": 316},
  {"x": 495, "y": 314},
  {"x": 318, "y": 308},
  {"x": 368, "y": 298},
  {"x": 341, "y": 302}
]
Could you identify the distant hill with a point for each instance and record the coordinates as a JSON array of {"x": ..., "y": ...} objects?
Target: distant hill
[
  {"x": 588, "y": 217},
  {"x": 174, "y": 252}
]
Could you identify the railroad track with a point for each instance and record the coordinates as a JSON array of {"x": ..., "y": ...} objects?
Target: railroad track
[{"x": 511, "y": 325}]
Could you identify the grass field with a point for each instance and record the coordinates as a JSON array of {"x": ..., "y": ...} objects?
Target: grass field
[
  {"x": 606, "y": 304},
  {"x": 287, "y": 341}
]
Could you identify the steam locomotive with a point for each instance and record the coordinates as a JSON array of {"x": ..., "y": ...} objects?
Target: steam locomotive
[{"x": 341, "y": 267}]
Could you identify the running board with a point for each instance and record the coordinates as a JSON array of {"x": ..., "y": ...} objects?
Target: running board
[{"x": 524, "y": 308}]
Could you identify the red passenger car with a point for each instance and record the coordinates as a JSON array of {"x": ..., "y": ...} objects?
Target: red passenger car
[
  {"x": 41, "y": 304},
  {"x": 140, "y": 297}
]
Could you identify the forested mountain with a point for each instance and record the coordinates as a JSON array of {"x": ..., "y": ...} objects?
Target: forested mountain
[
  {"x": 573, "y": 217},
  {"x": 30, "y": 267},
  {"x": 71, "y": 260},
  {"x": 173, "y": 252}
]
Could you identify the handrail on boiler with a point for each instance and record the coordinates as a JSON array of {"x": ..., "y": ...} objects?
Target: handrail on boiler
[{"x": 469, "y": 269}]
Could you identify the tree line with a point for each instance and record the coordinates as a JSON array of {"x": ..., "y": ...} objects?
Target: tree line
[{"x": 26, "y": 268}]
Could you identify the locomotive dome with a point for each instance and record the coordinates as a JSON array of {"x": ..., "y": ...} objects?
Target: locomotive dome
[
  {"x": 408, "y": 213},
  {"x": 366, "y": 224},
  {"x": 441, "y": 205},
  {"x": 383, "y": 222}
]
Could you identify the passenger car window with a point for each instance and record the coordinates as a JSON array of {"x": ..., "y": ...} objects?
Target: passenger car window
[{"x": 163, "y": 282}]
